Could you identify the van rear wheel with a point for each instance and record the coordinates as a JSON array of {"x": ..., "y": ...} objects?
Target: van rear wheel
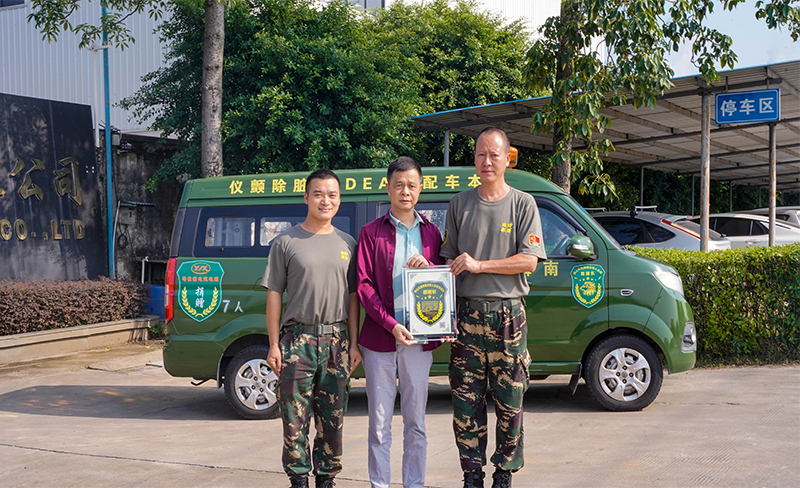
[
  {"x": 251, "y": 385},
  {"x": 624, "y": 373}
]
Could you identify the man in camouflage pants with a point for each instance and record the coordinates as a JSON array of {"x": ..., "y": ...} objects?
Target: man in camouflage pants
[
  {"x": 310, "y": 346},
  {"x": 493, "y": 236}
]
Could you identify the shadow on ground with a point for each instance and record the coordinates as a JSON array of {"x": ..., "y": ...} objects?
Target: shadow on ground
[{"x": 209, "y": 403}]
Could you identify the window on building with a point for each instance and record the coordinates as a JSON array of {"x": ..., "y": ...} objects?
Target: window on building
[{"x": 11, "y": 3}]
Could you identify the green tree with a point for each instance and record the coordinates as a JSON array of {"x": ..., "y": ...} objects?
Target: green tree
[
  {"x": 52, "y": 17},
  {"x": 306, "y": 87},
  {"x": 461, "y": 57},
  {"x": 637, "y": 36}
]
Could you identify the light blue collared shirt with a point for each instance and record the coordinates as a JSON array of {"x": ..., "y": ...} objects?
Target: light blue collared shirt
[{"x": 407, "y": 243}]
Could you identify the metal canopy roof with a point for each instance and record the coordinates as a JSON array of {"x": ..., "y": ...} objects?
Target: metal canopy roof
[{"x": 668, "y": 137}]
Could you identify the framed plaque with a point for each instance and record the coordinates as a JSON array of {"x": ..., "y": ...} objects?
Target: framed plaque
[{"x": 429, "y": 300}]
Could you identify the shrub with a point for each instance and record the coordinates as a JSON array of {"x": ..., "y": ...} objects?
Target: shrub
[
  {"x": 29, "y": 306},
  {"x": 746, "y": 302}
]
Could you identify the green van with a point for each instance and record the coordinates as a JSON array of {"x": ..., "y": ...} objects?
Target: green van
[{"x": 594, "y": 310}]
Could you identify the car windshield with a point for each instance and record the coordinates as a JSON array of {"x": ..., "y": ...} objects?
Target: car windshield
[{"x": 695, "y": 228}]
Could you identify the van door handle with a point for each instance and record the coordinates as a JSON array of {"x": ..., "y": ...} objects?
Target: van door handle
[{"x": 626, "y": 292}]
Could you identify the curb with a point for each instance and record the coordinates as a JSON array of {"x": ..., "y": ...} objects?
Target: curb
[{"x": 56, "y": 342}]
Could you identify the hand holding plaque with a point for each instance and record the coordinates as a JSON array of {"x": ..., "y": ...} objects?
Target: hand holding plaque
[{"x": 429, "y": 300}]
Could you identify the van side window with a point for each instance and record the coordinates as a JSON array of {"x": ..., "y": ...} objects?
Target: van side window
[
  {"x": 557, "y": 232},
  {"x": 433, "y": 211},
  {"x": 271, "y": 227},
  {"x": 230, "y": 232}
]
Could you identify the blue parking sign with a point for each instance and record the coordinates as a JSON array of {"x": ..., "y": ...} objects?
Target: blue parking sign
[{"x": 748, "y": 106}]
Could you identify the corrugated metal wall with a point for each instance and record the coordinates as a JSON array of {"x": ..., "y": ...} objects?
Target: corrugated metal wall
[
  {"x": 32, "y": 67},
  {"x": 534, "y": 12}
]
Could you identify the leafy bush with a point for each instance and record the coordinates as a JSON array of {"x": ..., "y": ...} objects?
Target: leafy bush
[
  {"x": 28, "y": 306},
  {"x": 746, "y": 302}
]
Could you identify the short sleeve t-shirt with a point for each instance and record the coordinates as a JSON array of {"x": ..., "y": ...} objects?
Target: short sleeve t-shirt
[
  {"x": 490, "y": 231},
  {"x": 318, "y": 273}
]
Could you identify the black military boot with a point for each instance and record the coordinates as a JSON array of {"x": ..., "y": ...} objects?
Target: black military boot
[
  {"x": 474, "y": 478},
  {"x": 501, "y": 478},
  {"x": 299, "y": 481},
  {"x": 322, "y": 481}
]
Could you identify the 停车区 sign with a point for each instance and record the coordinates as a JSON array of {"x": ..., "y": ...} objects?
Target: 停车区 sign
[{"x": 748, "y": 106}]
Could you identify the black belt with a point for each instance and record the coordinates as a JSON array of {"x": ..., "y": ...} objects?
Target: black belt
[
  {"x": 320, "y": 329},
  {"x": 486, "y": 306}
]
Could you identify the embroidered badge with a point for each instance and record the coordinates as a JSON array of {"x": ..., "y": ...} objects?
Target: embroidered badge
[
  {"x": 534, "y": 239},
  {"x": 587, "y": 284},
  {"x": 200, "y": 288}
]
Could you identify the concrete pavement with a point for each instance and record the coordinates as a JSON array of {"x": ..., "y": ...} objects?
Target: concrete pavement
[{"x": 116, "y": 418}]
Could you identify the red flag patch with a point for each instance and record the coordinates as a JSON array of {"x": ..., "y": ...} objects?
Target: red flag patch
[{"x": 534, "y": 239}]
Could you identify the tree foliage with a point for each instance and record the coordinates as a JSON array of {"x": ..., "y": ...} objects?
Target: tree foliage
[
  {"x": 637, "y": 35},
  {"x": 309, "y": 85},
  {"x": 462, "y": 57},
  {"x": 52, "y": 17}
]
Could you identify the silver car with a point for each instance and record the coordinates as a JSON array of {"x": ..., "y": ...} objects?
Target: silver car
[
  {"x": 745, "y": 230},
  {"x": 654, "y": 229},
  {"x": 789, "y": 214}
]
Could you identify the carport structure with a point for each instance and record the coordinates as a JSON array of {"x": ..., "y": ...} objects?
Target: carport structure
[{"x": 678, "y": 136}]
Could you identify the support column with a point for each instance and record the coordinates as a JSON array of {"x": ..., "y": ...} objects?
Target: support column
[
  {"x": 641, "y": 186},
  {"x": 446, "y": 148},
  {"x": 705, "y": 170},
  {"x": 772, "y": 183}
]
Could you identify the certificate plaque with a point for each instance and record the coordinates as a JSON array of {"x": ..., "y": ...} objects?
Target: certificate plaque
[{"x": 429, "y": 300}]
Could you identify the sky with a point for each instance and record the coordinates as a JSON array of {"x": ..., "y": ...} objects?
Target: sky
[{"x": 753, "y": 42}]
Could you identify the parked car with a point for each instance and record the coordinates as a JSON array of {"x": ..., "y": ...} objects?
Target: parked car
[
  {"x": 654, "y": 229},
  {"x": 745, "y": 230},
  {"x": 596, "y": 311},
  {"x": 790, "y": 214}
]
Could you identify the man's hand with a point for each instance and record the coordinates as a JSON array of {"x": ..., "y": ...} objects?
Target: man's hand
[
  {"x": 465, "y": 262},
  {"x": 403, "y": 336},
  {"x": 274, "y": 358},
  {"x": 355, "y": 356},
  {"x": 417, "y": 261}
]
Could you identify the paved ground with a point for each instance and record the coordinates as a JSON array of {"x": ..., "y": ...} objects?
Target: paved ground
[{"x": 124, "y": 422}]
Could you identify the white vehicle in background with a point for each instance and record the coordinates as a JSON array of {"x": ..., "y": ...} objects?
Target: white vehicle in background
[
  {"x": 743, "y": 229},
  {"x": 790, "y": 214},
  {"x": 647, "y": 228}
]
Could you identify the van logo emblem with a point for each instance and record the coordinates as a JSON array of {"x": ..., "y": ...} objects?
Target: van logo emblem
[
  {"x": 429, "y": 301},
  {"x": 199, "y": 288},
  {"x": 587, "y": 284}
]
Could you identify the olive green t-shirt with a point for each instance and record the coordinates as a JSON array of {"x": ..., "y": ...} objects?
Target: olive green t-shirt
[
  {"x": 317, "y": 271},
  {"x": 492, "y": 230}
]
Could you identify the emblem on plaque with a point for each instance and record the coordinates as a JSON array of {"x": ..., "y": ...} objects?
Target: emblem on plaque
[
  {"x": 429, "y": 301},
  {"x": 200, "y": 288}
]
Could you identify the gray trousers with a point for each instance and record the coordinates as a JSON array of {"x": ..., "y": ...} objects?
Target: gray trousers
[{"x": 412, "y": 366}]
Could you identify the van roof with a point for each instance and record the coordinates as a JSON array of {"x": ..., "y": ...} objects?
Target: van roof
[{"x": 263, "y": 188}]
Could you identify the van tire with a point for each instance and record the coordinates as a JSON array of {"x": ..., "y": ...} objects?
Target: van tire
[
  {"x": 251, "y": 386},
  {"x": 605, "y": 373}
]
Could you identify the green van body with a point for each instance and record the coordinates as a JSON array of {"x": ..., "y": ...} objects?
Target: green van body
[{"x": 584, "y": 314}]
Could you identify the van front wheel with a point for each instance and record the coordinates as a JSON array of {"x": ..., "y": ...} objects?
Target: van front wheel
[
  {"x": 624, "y": 373},
  {"x": 251, "y": 386}
]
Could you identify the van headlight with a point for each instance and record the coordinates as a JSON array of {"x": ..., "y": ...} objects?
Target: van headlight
[
  {"x": 689, "y": 342},
  {"x": 670, "y": 280}
]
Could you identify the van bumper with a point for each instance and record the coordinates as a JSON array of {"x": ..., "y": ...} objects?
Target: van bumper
[
  {"x": 191, "y": 356},
  {"x": 666, "y": 327}
]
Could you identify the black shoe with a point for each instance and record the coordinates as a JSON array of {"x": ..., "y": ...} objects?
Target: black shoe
[
  {"x": 324, "y": 482},
  {"x": 501, "y": 478},
  {"x": 473, "y": 479},
  {"x": 300, "y": 481}
]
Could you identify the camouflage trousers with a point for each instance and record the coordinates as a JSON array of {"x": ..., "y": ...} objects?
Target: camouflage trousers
[
  {"x": 490, "y": 357},
  {"x": 313, "y": 379}
]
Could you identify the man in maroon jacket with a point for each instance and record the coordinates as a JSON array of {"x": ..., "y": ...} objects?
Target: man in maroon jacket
[{"x": 401, "y": 238}]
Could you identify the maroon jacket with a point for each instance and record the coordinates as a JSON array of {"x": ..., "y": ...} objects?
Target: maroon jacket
[{"x": 375, "y": 260}]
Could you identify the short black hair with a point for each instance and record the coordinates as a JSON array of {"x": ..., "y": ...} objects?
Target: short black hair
[
  {"x": 403, "y": 163},
  {"x": 496, "y": 130},
  {"x": 322, "y": 174}
]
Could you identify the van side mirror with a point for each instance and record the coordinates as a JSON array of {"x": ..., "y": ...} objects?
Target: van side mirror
[{"x": 580, "y": 246}]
